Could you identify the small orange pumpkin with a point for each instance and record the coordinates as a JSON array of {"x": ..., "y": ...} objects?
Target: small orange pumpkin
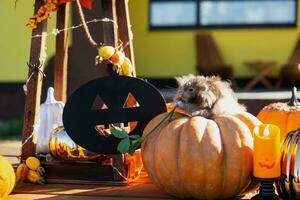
[
  {"x": 195, "y": 157},
  {"x": 285, "y": 115}
]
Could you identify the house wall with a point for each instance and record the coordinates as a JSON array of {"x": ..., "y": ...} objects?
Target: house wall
[
  {"x": 172, "y": 52},
  {"x": 158, "y": 53},
  {"x": 15, "y": 39}
]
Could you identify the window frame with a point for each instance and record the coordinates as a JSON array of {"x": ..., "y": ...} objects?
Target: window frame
[{"x": 225, "y": 26}]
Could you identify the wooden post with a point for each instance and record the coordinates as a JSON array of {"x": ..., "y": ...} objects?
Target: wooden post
[
  {"x": 110, "y": 38},
  {"x": 125, "y": 33},
  {"x": 61, "y": 56},
  {"x": 109, "y": 30},
  {"x": 33, "y": 97}
]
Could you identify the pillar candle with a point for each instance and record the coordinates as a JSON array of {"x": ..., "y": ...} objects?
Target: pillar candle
[{"x": 266, "y": 163}]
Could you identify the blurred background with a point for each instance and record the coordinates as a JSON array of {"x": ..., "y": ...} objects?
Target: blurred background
[{"x": 253, "y": 43}]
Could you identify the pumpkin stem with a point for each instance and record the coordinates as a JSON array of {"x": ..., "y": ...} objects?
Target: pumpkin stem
[
  {"x": 293, "y": 101},
  {"x": 135, "y": 145},
  {"x": 167, "y": 117}
]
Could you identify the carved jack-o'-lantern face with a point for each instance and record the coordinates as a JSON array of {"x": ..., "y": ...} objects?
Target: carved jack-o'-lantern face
[
  {"x": 266, "y": 160},
  {"x": 105, "y": 101}
]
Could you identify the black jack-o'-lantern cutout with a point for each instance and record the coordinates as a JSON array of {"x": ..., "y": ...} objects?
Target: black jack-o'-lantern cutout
[{"x": 103, "y": 102}]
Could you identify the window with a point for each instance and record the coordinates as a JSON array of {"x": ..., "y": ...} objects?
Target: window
[{"x": 222, "y": 13}]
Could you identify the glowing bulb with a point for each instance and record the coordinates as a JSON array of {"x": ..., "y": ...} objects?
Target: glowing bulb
[{"x": 266, "y": 132}]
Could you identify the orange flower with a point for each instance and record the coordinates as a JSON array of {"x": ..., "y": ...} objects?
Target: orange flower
[
  {"x": 43, "y": 13},
  {"x": 52, "y": 6}
]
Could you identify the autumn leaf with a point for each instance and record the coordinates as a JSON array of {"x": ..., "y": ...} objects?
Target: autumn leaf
[
  {"x": 64, "y": 1},
  {"x": 88, "y": 4}
]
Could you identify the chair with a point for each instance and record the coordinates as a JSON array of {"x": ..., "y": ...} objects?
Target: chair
[
  {"x": 209, "y": 59},
  {"x": 291, "y": 70},
  {"x": 260, "y": 70}
]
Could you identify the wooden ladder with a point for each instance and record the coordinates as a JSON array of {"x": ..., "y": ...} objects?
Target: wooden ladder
[{"x": 115, "y": 11}]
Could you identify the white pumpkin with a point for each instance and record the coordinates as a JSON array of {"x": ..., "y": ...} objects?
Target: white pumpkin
[{"x": 50, "y": 117}]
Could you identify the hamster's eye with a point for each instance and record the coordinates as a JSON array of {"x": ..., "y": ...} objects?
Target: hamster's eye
[{"x": 191, "y": 89}]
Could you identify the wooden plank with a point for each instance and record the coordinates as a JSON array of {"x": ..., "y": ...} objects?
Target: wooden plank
[
  {"x": 125, "y": 33},
  {"x": 10, "y": 149},
  {"x": 110, "y": 38},
  {"x": 61, "y": 56},
  {"x": 33, "y": 97},
  {"x": 69, "y": 197},
  {"x": 109, "y": 30},
  {"x": 126, "y": 36},
  {"x": 208, "y": 54},
  {"x": 141, "y": 188},
  {"x": 119, "y": 165},
  {"x": 81, "y": 173}
]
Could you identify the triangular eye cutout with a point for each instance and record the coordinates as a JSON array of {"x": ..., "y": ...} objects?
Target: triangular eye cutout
[
  {"x": 99, "y": 104},
  {"x": 103, "y": 107},
  {"x": 131, "y": 102}
]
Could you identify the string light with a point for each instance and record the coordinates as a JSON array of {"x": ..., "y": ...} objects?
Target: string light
[
  {"x": 56, "y": 31},
  {"x": 28, "y": 138},
  {"x": 43, "y": 56}
]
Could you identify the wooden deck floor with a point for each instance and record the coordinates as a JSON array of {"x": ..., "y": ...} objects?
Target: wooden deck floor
[{"x": 142, "y": 189}]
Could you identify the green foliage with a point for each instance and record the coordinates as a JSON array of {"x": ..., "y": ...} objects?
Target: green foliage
[
  {"x": 123, "y": 146},
  {"x": 119, "y": 133},
  {"x": 130, "y": 143},
  {"x": 11, "y": 128},
  {"x": 134, "y": 136}
]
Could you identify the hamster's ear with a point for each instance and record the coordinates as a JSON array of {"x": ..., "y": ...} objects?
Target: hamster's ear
[{"x": 181, "y": 80}]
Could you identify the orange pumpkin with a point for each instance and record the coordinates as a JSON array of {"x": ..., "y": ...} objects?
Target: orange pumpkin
[
  {"x": 285, "y": 115},
  {"x": 195, "y": 157}
]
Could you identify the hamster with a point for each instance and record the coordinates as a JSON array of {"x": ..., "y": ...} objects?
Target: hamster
[{"x": 206, "y": 96}]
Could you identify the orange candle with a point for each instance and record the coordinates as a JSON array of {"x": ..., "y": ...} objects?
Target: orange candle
[{"x": 266, "y": 163}]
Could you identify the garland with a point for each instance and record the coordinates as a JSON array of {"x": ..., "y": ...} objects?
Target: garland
[
  {"x": 50, "y": 6},
  {"x": 111, "y": 54}
]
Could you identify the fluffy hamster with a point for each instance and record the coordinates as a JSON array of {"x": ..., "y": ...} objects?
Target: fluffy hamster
[{"x": 206, "y": 96}]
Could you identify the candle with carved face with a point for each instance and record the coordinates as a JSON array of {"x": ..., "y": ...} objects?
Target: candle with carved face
[{"x": 266, "y": 151}]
